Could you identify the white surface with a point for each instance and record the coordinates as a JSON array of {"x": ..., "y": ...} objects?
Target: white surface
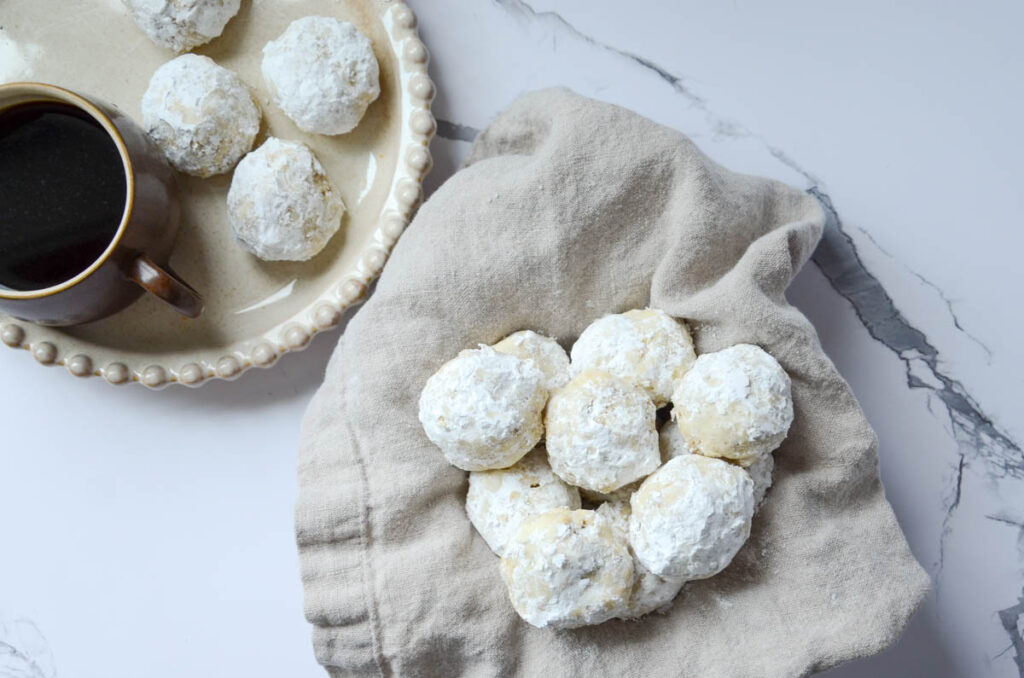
[{"x": 154, "y": 530}]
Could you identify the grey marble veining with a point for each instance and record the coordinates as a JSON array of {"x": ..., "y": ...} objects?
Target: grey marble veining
[{"x": 24, "y": 651}]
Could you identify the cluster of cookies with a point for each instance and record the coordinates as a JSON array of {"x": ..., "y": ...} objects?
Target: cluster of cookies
[
  {"x": 610, "y": 516},
  {"x": 321, "y": 72}
]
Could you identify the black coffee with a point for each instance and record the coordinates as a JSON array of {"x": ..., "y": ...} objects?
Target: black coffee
[{"x": 62, "y": 193}]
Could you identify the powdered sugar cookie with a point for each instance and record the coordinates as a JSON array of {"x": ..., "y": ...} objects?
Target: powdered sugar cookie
[
  {"x": 499, "y": 501},
  {"x": 484, "y": 409},
  {"x": 691, "y": 516},
  {"x": 647, "y": 348},
  {"x": 734, "y": 404},
  {"x": 600, "y": 432},
  {"x": 547, "y": 355},
  {"x": 201, "y": 116},
  {"x": 566, "y": 569},
  {"x": 281, "y": 204},
  {"x": 671, "y": 445},
  {"x": 650, "y": 592},
  {"x": 182, "y": 24},
  {"x": 322, "y": 73}
]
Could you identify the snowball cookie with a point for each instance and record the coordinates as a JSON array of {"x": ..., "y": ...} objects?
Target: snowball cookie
[
  {"x": 735, "y": 404},
  {"x": 646, "y": 347},
  {"x": 200, "y": 115},
  {"x": 281, "y": 204},
  {"x": 182, "y": 24},
  {"x": 549, "y": 357},
  {"x": 484, "y": 409},
  {"x": 691, "y": 516},
  {"x": 650, "y": 592},
  {"x": 322, "y": 73},
  {"x": 566, "y": 569},
  {"x": 498, "y": 501},
  {"x": 600, "y": 432}
]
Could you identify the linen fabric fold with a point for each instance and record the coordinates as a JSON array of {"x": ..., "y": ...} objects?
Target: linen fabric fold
[{"x": 569, "y": 209}]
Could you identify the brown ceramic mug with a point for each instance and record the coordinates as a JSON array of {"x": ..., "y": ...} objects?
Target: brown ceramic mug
[{"x": 134, "y": 259}]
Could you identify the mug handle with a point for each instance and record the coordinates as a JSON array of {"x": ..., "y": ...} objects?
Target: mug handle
[{"x": 167, "y": 286}]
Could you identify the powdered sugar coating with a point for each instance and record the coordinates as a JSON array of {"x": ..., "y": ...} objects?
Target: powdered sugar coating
[
  {"x": 691, "y": 516},
  {"x": 499, "y": 501},
  {"x": 650, "y": 592},
  {"x": 645, "y": 347},
  {"x": 182, "y": 24},
  {"x": 322, "y": 73},
  {"x": 548, "y": 356},
  {"x": 735, "y": 404},
  {"x": 601, "y": 432},
  {"x": 671, "y": 442},
  {"x": 281, "y": 204},
  {"x": 201, "y": 115},
  {"x": 673, "y": 445},
  {"x": 567, "y": 568},
  {"x": 484, "y": 409},
  {"x": 761, "y": 474}
]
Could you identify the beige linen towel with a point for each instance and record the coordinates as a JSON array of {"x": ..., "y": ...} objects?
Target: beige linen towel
[{"x": 570, "y": 209}]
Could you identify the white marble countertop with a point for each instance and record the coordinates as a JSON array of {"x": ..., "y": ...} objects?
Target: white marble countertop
[{"x": 155, "y": 529}]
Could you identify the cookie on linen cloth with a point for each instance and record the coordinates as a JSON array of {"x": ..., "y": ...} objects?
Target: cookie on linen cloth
[
  {"x": 671, "y": 444},
  {"x": 650, "y": 592},
  {"x": 734, "y": 404},
  {"x": 546, "y": 353},
  {"x": 484, "y": 409},
  {"x": 691, "y": 516},
  {"x": 645, "y": 347},
  {"x": 499, "y": 501},
  {"x": 566, "y": 569},
  {"x": 600, "y": 432}
]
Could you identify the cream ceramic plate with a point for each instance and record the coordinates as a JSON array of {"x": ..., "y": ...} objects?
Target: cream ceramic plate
[{"x": 255, "y": 311}]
